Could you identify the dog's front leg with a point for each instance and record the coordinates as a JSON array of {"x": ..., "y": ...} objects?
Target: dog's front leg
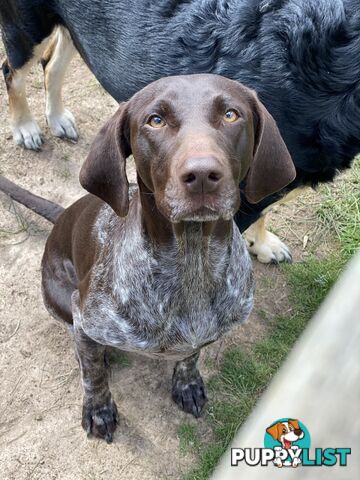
[
  {"x": 188, "y": 389},
  {"x": 99, "y": 414}
]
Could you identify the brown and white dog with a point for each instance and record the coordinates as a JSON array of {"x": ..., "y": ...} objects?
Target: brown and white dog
[
  {"x": 161, "y": 269},
  {"x": 286, "y": 433}
]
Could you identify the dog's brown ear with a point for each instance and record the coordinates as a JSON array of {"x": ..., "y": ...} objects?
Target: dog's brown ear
[
  {"x": 273, "y": 431},
  {"x": 271, "y": 168},
  {"x": 295, "y": 424},
  {"x": 104, "y": 171}
]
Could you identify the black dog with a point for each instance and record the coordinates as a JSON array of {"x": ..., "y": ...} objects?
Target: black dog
[{"x": 301, "y": 56}]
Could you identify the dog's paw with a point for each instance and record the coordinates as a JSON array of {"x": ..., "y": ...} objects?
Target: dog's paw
[
  {"x": 269, "y": 249},
  {"x": 296, "y": 462},
  {"x": 27, "y": 134},
  {"x": 191, "y": 396},
  {"x": 100, "y": 421},
  {"x": 63, "y": 125}
]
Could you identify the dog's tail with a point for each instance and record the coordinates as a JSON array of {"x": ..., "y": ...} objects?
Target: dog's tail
[{"x": 45, "y": 208}]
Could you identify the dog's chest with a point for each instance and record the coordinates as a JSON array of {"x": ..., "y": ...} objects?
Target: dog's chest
[{"x": 171, "y": 301}]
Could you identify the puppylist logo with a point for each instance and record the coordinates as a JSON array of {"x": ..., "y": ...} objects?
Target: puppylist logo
[
  {"x": 287, "y": 438},
  {"x": 287, "y": 444}
]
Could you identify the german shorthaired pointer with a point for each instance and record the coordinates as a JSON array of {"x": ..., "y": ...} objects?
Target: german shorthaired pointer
[{"x": 161, "y": 268}]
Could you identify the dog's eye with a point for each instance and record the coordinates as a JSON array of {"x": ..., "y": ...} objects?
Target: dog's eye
[
  {"x": 231, "y": 116},
  {"x": 156, "y": 121}
]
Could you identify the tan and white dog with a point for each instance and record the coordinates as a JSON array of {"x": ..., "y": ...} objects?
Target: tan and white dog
[{"x": 286, "y": 433}]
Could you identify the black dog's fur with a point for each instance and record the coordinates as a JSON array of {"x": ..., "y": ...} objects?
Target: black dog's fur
[{"x": 301, "y": 56}]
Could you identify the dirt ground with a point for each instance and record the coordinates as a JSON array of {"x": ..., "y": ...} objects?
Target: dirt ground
[{"x": 40, "y": 400}]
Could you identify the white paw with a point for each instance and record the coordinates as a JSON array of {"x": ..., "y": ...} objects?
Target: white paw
[
  {"x": 27, "y": 134},
  {"x": 296, "y": 462},
  {"x": 63, "y": 125},
  {"x": 270, "y": 249}
]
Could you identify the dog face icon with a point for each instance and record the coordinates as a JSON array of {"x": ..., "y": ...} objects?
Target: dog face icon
[{"x": 286, "y": 432}]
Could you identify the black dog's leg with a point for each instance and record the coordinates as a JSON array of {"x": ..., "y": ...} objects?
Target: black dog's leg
[
  {"x": 26, "y": 131},
  {"x": 25, "y": 28},
  {"x": 188, "y": 389},
  {"x": 55, "y": 61}
]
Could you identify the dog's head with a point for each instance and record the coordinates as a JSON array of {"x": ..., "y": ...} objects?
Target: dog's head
[
  {"x": 286, "y": 432},
  {"x": 193, "y": 138}
]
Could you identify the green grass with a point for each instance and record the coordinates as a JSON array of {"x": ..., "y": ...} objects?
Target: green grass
[
  {"x": 244, "y": 376},
  {"x": 189, "y": 438},
  {"x": 341, "y": 212}
]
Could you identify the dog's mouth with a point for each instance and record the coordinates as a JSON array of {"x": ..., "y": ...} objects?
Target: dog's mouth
[
  {"x": 204, "y": 208},
  {"x": 202, "y": 214},
  {"x": 287, "y": 444}
]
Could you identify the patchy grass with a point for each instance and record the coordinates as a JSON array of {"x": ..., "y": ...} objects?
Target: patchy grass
[
  {"x": 21, "y": 223},
  {"x": 25, "y": 227},
  {"x": 244, "y": 376},
  {"x": 189, "y": 438},
  {"x": 340, "y": 211}
]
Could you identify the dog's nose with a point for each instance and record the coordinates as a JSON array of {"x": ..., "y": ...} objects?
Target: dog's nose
[{"x": 201, "y": 175}]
